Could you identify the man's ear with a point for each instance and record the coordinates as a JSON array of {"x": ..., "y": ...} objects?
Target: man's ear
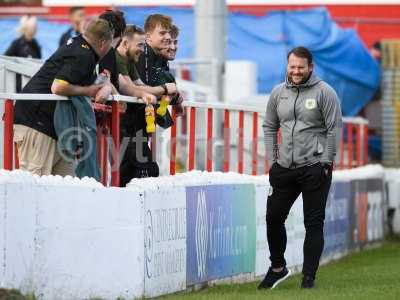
[
  {"x": 311, "y": 67},
  {"x": 147, "y": 36},
  {"x": 124, "y": 43}
]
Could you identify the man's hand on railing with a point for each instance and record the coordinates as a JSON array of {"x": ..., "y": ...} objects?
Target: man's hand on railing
[
  {"x": 180, "y": 111},
  {"x": 149, "y": 98},
  {"x": 171, "y": 88},
  {"x": 103, "y": 94}
]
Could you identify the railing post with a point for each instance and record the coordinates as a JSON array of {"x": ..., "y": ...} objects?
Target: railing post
[
  {"x": 341, "y": 163},
  {"x": 115, "y": 137},
  {"x": 172, "y": 162},
  {"x": 350, "y": 145},
  {"x": 209, "y": 150},
  {"x": 153, "y": 145},
  {"x": 240, "y": 145},
  {"x": 8, "y": 134},
  {"x": 358, "y": 145},
  {"x": 100, "y": 154},
  {"x": 192, "y": 139},
  {"x": 365, "y": 152},
  {"x": 254, "y": 151},
  {"x": 226, "y": 141},
  {"x": 104, "y": 157}
]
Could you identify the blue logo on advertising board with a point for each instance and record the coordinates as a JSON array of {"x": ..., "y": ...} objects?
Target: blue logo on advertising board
[{"x": 221, "y": 231}]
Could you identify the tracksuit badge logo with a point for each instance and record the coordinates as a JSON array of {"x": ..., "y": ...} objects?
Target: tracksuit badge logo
[{"x": 311, "y": 103}]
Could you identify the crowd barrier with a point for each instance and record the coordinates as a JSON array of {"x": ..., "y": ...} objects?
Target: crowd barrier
[
  {"x": 65, "y": 238},
  {"x": 199, "y": 138}
]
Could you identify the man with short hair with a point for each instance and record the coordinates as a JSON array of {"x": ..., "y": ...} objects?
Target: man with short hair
[
  {"x": 128, "y": 53},
  {"x": 136, "y": 161},
  {"x": 307, "y": 111},
  {"x": 169, "y": 52},
  {"x": 109, "y": 63},
  {"x": 76, "y": 17},
  {"x": 157, "y": 28},
  {"x": 70, "y": 71}
]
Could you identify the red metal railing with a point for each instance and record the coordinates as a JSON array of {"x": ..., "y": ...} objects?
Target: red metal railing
[
  {"x": 8, "y": 134},
  {"x": 102, "y": 144},
  {"x": 355, "y": 129},
  {"x": 356, "y": 138},
  {"x": 209, "y": 150}
]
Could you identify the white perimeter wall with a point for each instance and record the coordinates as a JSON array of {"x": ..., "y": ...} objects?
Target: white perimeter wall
[{"x": 72, "y": 239}]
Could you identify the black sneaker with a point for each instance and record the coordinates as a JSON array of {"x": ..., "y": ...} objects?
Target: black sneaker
[
  {"x": 272, "y": 279},
  {"x": 307, "y": 282}
]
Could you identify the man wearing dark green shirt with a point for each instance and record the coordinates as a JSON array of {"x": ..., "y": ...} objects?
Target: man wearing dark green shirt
[{"x": 136, "y": 161}]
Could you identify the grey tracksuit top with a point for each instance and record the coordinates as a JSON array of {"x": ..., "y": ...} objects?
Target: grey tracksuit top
[{"x": 309, "y": 117}]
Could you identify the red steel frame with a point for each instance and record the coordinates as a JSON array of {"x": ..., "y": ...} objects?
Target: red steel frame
[
  {"x": 341, "y": 163},
  {"x": 172, "y": 162},
  {"x": 365, "y": 139},
  {"x": 226, "y": 140},
  {"x": 350, "y": 145},
  {"x": 240, "y": 146},
  {"x": 358, "y": 145},
  {"x": 254, "y": 150},
  {"x": 192, "y": 137},
  {"x": 209, "y": 154},
  {"x": 8, "y": 134},
  {"x": 115, "y": 137}
]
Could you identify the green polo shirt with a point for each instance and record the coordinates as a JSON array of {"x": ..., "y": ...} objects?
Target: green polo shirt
[{"x": 126, "y": 67}]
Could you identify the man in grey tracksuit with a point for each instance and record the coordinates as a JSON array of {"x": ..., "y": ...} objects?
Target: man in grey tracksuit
[{"x": 307, "y": 111}]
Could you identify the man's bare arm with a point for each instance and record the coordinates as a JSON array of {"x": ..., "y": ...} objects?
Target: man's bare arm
[{"x": 64, "y": 88}]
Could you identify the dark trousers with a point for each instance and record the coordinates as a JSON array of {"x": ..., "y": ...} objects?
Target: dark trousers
[
  {"x": 137, "y": 163},
  {"x": 286, "y": 185}
]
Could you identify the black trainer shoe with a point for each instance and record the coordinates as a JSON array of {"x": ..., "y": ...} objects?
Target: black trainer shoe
[
  {"x": 307, "y": 282},
  {"x": 272, "y": 279}
]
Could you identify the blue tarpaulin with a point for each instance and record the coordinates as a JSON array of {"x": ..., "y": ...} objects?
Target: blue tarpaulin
[{"x": 340, "y": 57}]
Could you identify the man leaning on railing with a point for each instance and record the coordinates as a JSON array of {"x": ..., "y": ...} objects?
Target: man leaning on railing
[{"x": 70, "y": 71}]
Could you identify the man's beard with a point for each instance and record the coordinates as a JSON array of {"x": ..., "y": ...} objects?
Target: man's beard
[
  {"x": 130, "y": 56},
  {"x": 303, "y": 80}
]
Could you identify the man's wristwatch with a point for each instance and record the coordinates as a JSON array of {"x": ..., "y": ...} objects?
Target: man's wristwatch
[{"x": 164, "y": 86}]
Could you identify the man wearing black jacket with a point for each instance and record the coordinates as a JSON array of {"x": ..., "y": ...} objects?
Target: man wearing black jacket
[
  {"x": 76, "y": 17},
  {"x": 26, "y": 45},
  {"x": 158, "y": 35}
]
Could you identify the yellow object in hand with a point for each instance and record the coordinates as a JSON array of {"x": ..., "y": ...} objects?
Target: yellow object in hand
[
  {"x": 162, "y": 109},
  {"x": 150, "y": 119}
]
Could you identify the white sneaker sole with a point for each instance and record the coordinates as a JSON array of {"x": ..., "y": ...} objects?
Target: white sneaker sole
[{"x": 282, "y": 279}]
